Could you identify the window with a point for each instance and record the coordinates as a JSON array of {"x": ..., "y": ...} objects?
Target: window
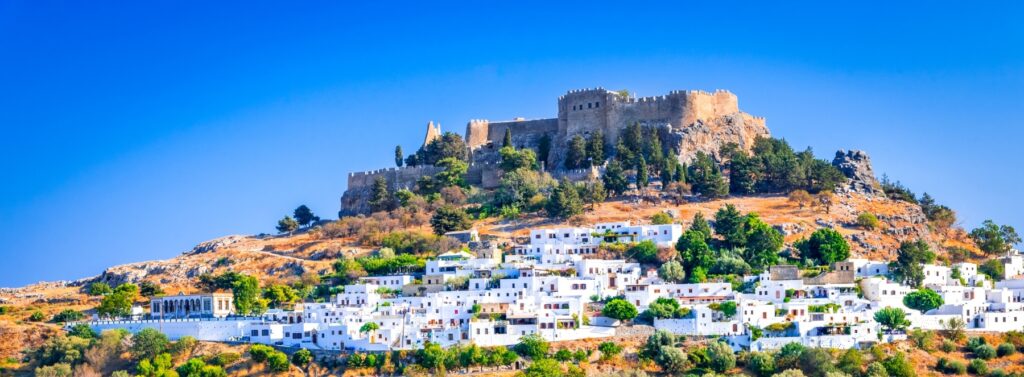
[
  {"x": 597, "y": 104},
  {"x": 589, "y": 104}
]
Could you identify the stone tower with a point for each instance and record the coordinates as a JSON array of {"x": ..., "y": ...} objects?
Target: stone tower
[{"x": 433, "y": 133}]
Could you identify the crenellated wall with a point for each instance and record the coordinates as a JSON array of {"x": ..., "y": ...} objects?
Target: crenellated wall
[{"x": 689, "y": 121}]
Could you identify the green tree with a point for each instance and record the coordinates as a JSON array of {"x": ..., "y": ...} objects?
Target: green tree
[
  {"x": 994, "y": 269},
  {"x": 595, "y": 148},
  {"x": 449, "y": 145},
  {"x": 544, "y": 148},
  {"x": 595, "y": 193},
  {"x": 380, "y": 196},
  {"x": 615, "y": 178},
  {"x": 99, "y": 289},
  {"x": 695, "y": 254},
  {"x": 763, "y": 242},
  {"x": 119, "y": 303},
  {"x": 923, "y": 299},
  {"x": 701, "y": 225},
  {"x": 507, "y": 141},
  {"x": 761, "y": 364},
  {"x": 825, "y": 246},
  {"x": 816, "y": 362},
  {"x": 576, "y": 153},
  {"x": 512, "y": 159},
  {"x": 910, "y": 260},
  {"x": 645, "y": 251},
  {"x": 302, "y": 358},
  {"x": 898, "y": 366},
  {"x": 722, "y": 357},
  {"x": 706, "y": 177},
  {"x": 544, "y": 368},
  {"x": 532, "y": 346},
  {"x": 995, "y": 239},
  {"x": 454, "y": 173},
  {"x": 278, "y": 362},
  {"x": 148, "y": 343},
  {"x": 449, "y": 218},
  {"x": 303, "y": 215},
  {"x": 150, "y": 289},
  {"x": 246, "y": 290},
  {"x": 619, "y": 309},
  {"x": 287, "y": 225},
  {"x": 672, "y": 272},
  {"x": 729, "y": 225},
  {"x": 565, "y": 201},
  {"x": 892, "y": 319},
  {"x": 399, "y": 156},
  {"x": 642, "y": 177},
  {"x": 280, "y": 295}
]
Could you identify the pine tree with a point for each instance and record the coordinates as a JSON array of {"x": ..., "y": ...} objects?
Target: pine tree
[
  {"x": 380, "y": 197},
  {"x": 287, "y": 225},
  {"x": 303, "y": 215},
  {"x": 595, "y": 148},
  {"x": 576, "y": 156},
  {"x": 565, "y": 200},
  {"x": 399, "y": 158},
  {"x": 642, "y": 178},
  {"x": 507, "y": 142},
  {"x": 615, "y": 178}
]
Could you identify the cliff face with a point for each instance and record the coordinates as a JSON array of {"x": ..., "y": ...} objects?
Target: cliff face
[{"x": 710, "y": 135}]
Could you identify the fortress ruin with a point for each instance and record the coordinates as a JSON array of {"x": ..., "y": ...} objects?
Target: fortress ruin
[{"x": 688, "y": 121}]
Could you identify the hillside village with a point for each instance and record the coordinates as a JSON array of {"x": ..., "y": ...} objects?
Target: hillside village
[{"x": 668, "y": 235}]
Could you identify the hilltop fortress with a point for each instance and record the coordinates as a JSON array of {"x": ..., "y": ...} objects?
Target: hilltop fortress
[{"x": 688, "y": 122}]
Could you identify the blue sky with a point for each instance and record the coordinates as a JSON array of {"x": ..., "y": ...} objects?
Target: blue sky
[{"x": 133, "y": 131}]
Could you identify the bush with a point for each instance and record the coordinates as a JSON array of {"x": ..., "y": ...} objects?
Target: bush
[
  {"x": 722, "y": 357},
  {"x": 260, "y": 352},
  {"x": 661, "y": 218},
  {"x": 225, "y": 358},
  {"x": 99, "y": 289},
  {"x": 977, "y": 367},
  {"x": 68, "y": 315},
  {"x": 609, "y": 350},
  {"x": 761, "y": 364},
  {"x": 867, "y": 221},
  {"x": 302, "y": 357},
  {"x": 278, "y": 362},
  {"x": 619, "y": 309},
  {"x": 947, "y": 346},
  {"x": 950, "y": 366},
  {"x": 1005, "y": 349},
  {"x": 532, "y": 346},
  {"x": 984, "y": 352},
  {"x": 37, "y": 316}
]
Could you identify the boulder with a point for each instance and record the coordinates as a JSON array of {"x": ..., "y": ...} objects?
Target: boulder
[{"x": 856, "y": 165}]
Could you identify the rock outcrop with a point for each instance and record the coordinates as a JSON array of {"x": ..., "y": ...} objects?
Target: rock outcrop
[{"x": 856, "y": 165}]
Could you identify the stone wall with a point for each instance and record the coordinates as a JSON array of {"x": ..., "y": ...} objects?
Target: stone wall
[{"x": 360, "y": 184}]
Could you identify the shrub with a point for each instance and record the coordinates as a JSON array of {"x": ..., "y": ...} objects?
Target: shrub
[
  {"x": 722, "y": 357},
  {"x": 867, "y": 220},
  {"x": 68, "y": 315},
  {"x": 302, "y": 357},
  {"x": 99, "y": 289},
  {"x": 898, "y": 366},
  {"x": 609, "y": 350},
  {"x": 977, "y": 367},
  {"x": 619, "y": 309},
  {"x": 876, "y": 369},
  {"x": 277, "y": 361},
  {"x": 259, "y": 352},
  {"x": 761, "y": 364},
  {"x": 225, "y": 358},
  {"x": 661, "y": 218},
  {"x": 947, "y": 346},
  {"x": 1005, "y": 349},
  {"x": 36, "y": 316},
  {"x": 532, "y": 346},
  {"x": 923, "y": 300},
  {"x": 984, "y": 352}
]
